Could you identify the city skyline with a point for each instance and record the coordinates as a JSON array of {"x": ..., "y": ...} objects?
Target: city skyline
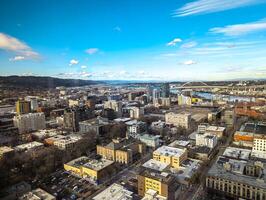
[{"x": 134, "y": 40}]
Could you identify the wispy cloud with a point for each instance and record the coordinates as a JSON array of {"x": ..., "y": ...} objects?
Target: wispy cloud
[
  {"x": 189, "y": 45},
  {"x": 83, "y": 67},
  {"x": 240, "y": 29},
  {"x": 173, "y": 42},
  {"x": 189, "y": 62},
  {"x": 117, "y": 28},
  {"x": 92, "y": 51},
  {"x": 17, "y": 47},
  {"x": 73, "y": 62},
  {"x": 17, "y": 58},
  {"x": 211, "y": 6}
]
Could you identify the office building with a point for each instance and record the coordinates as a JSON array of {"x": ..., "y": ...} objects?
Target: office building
[
  {"x": 237, "y": 179},
  {"x": 114, "y": 105},
  {"x": 95, "y": 125},
  {"x": 205, "y": 139},
  {"x": 165, "y": 90},
  {"x": 136, "y": 112},
  {"x": 178, "y": 119},
  {"x": 23, "y": 107},
  {"x": 29, "y": 122}
]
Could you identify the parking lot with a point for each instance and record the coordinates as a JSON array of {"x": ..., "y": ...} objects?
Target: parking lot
[{"x": 64, "y": 185}]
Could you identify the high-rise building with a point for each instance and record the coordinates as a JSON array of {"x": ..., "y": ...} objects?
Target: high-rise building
[
  {"x": 29, "y": 122},
  {"x": 165, "y": 90},
  {"x": 33, "y": 102},
  {"x": 115, "y": 105},
  {"x": 23, "y": 107},
  {"x": 74, "y": 115},
  {"x": 136, "y": 112}
]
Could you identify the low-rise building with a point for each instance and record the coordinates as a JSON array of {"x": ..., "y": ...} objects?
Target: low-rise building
[
  {"x": 237, "y": 179},
  {"x": 150, "y": 140},
  {"x": 93, "y": 169},
  {"x": 37, "y": 194},
  {"x": 219, "y": 131},
  {"x": 205, "y": 139},
  {"x": 29, "y": 147},
  {"x": 95, "y": 125},
  {"x": 135, "y": 127},
  {"x": 6, "y": 152},
  {"x": 170, "y": 155},
  {"x": 162, "y": 183},
  {"x": 114, "y": 191},
  {"x": 178, "y": 119},
  {"x": 121, "y": 150}
]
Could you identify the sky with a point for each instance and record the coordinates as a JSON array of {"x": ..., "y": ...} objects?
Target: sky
[{"x": 134, "y": 39}]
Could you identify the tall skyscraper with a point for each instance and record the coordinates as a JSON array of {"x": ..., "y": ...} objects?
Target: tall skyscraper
[
  {"x": 165, "y": 90},
  {"x": 22, "y": 107}
]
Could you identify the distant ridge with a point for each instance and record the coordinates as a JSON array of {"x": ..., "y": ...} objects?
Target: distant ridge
[{"x": 42, "y": 82}]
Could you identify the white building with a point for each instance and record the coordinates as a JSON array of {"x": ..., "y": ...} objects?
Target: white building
[
  {"x": 259, "y": 146},
  {"x": 203, "y": 139},
  {"x": 31, "y": 146},
  {"x": 180, "y": 119},
  {"x": 136, "y": 112},
  {"x": 150, "y": 140},
  {"x": 29, "y": 122},
  {"x": 135, "y": 127},
  {"x": 115, "y": 191}
]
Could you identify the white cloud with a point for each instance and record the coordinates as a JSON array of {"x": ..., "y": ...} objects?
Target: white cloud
[
  {"x": 189, "y": 62},
  {"x": 189, "y": 45},
  {"x": 83, "y": 67},
  {"x": 211, "y": 6},
  {"x": 117, "y": 28},
  {"x": 73, "y": 62},
  {"x": 123, "y": 72},
  {"x": 17, "y": 58},
  {"x": 173, "y": 42},
  {"x": 240, "y": 29},
  {"x": 14, "y": 45},
  {"x": 91, "y": 51}
]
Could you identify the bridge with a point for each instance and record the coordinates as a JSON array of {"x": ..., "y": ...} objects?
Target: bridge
[{"x": 203, "y": 85}]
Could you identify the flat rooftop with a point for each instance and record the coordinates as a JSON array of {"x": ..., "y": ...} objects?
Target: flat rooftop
[
  {"x": 215, "y": 128},
  {"x": 236, "y": 172},
  {"x": 27, "y": 146},
  {"x": 188, "y": 168},
  {"x": 182, "y": 143},
  {"x": 169, "y": 151},
  {"x": 93, "y": 164},
  {"x": 237, "y": 153},
  {"x": 5, "y": 149},
  {"x": 115, "y": 191},
  {"x": 37, "y": 194},
  {"x": 155, "y": 165}
]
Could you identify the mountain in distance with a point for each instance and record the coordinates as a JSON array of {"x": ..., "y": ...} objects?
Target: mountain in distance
[{"x": 42, "y": 82}]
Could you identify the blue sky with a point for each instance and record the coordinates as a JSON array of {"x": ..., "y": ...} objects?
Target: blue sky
[{"x": 134, "y": 39}]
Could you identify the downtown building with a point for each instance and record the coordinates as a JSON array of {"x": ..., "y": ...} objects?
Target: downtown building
[
  {"x": 178, "y": 119},
  {"x": 29, "y": 122}
]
